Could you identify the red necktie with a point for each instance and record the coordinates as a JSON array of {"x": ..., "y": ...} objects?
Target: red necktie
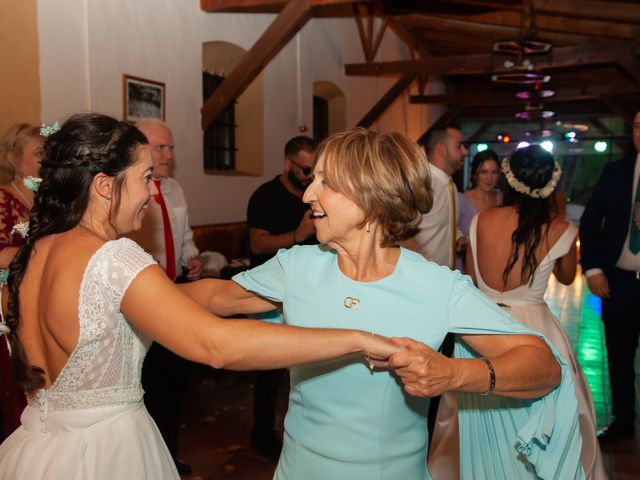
[{"x": 168, "y": 235}]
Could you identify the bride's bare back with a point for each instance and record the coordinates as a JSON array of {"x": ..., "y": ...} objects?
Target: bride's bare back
[
  {"x": 494, "y": 244},
  {"x": 49, "y": 293}
]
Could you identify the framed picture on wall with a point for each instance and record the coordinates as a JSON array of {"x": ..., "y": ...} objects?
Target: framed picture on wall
[{"x": 142, "y": 98}]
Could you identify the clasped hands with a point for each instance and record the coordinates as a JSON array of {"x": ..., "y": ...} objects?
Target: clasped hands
[{"x": 423, "y": 371}]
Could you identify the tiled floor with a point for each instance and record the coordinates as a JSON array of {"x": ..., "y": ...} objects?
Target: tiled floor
[
  {"x": 579, "y": 312},
  {"x": 217, "y": 413}
]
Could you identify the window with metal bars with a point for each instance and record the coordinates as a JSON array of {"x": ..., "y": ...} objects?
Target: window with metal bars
[{"x": 219, "y": 140}]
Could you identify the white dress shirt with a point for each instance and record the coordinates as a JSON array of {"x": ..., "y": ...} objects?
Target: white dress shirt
[
  {"x": 151, "y": 236},
  {"x": 629, "y": 260},
  {"x": 434, "y": 239}
]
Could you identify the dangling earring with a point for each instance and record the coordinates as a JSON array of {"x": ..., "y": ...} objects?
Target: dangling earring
[{"x": 367, "y": 227}]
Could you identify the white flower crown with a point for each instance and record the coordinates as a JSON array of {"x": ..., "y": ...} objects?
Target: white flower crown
[{"x": 520, "y": 187}]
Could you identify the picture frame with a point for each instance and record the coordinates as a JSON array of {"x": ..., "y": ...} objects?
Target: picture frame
[{"x": 142, "y": 98}]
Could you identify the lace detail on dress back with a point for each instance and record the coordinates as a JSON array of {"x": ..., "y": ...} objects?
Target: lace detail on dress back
[
  {"x": 524, "y": 294},
  {"x": 105, "y": 367}
]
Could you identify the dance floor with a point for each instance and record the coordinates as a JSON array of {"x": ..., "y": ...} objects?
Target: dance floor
[{"x": 217, "y": 415}]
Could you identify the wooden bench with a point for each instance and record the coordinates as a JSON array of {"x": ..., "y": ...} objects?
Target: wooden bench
[{"x": 230, "y": 239}]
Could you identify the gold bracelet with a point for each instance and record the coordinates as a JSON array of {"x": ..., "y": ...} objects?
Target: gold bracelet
[
  {"x": 368, "y": 357},
  {"x": 492, "y": 377}
]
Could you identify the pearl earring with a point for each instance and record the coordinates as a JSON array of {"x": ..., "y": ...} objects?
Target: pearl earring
[{"x": 368, "y": 227}]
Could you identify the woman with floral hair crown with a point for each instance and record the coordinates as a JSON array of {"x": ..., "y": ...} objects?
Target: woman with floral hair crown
[
  {"x": 513, "y": 250},
  {"x": 20, "y": 155}
]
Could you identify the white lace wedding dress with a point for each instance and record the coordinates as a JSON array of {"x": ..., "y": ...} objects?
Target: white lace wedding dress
[
  {"x": 526, "y": 304},
  {"x": 91, "y": 423}
]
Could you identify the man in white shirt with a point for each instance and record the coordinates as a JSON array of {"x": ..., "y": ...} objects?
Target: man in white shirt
[
  {"x": 610, "y": 257},
  {"x": 167, "y": 236},
  {"x": 151, "y": 236},
  {"x": 439, "y": 238}
]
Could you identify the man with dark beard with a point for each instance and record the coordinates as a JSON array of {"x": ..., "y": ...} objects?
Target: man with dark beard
[{"x": 277, "y": 218}]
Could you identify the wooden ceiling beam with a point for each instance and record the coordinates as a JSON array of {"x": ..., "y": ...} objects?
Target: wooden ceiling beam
[
  {"x": 249, "y": 6},
  {"x": 597, "y": 10},
  {"x": 387, "y": 99},
  {"x": 499, "y": 100},
  {"x": 294, "y": 15},
  {"x": 463, "y": 28},
  {"x": 470, "y": 41},
  {"x": 562, "y": 57},
  {"x": 548, "y": 23},
  {"x": 448, "y": 117},
  {"x": 369, "y": 38},
  {"x": 589, "y": 9}
]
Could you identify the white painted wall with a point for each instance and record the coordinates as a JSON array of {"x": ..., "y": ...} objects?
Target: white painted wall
[{"x": 87, "y": 45}]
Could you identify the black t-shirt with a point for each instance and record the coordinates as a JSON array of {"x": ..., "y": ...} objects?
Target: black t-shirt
[{"x": 275, "y": 209}]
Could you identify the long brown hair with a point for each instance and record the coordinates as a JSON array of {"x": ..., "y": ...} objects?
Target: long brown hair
[{"x": 85, "y": 145}]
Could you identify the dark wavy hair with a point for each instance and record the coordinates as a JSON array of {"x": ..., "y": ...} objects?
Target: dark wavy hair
[
  {"x": 85, "y": 145},
  {"x": 533, "y": 166},
  {"x": 477, "y": 162}
]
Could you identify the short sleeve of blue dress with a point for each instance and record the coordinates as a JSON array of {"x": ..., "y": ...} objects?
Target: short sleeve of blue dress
[
  {"x": 269, "y": 281},
  {"x": 494, "y": 429}
]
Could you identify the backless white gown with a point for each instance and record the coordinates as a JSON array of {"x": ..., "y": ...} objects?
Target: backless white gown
[
  {"x": 91, "y": 423},
  {"x": 526, "y": 304}
]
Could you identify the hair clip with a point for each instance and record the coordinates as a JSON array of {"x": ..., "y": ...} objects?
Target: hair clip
[
  {"x": 32, "y": 183},
  {"x": 22, "y": 228},
  {"x": 46, "y": 130}
]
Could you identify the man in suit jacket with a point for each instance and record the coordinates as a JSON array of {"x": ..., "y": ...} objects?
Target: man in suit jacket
[{"x": 613, "y": 274}]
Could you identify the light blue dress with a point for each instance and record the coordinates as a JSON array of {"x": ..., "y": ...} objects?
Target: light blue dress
[{"x": 347, "y": 423}]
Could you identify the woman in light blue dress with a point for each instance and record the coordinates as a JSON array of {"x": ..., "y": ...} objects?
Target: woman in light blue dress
[{"x": 350, "y": 421}]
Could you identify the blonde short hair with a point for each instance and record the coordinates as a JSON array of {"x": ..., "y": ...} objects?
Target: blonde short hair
[
  {"x": 385, "y": 174},
  {"x": 12, "y": 143}
]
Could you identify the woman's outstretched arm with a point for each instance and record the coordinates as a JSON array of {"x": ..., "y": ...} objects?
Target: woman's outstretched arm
[
  {"x": 153, "y": 304},
  {"x": 225, "y": 297}
]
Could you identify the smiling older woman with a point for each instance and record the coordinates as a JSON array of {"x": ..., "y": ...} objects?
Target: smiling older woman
[{"x": 346, "y": 422}]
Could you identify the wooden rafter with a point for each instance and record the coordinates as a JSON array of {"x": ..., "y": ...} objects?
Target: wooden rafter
[
  {"x": 589, "y": 9},
  {"x": 507, "y": 99},
  {"x": 294, "y": 15},
  {"x": 549, "y": 23},
  {"x": 563, "y": 57},
  {"x": 466, "y": 31},
  {"x": 446, "y": 118},
  {"x": 250, "y": 6},
  {"x": 369, "y": 38},
  {"x": 387, "y": 99}
]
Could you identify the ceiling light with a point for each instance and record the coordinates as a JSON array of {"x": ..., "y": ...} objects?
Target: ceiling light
[
  {"x": 600, "y": 146},
  {"x": 519, "y": 76}
]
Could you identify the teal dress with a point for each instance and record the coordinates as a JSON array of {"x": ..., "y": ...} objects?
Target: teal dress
[{"x": 347, "y": 423}]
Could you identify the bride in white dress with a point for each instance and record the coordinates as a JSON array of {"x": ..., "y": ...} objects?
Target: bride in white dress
[
  {"x": 514, "y": 249},
  {"x": 86, "y": 303}
]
